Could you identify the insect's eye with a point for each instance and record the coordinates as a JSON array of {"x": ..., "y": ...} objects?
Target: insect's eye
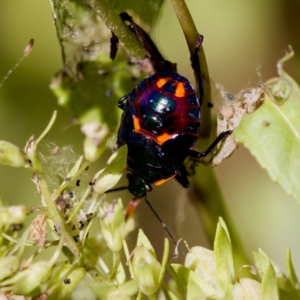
[{"x": 148, "y": 188}]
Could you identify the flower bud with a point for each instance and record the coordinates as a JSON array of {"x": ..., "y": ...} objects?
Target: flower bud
[
  {"x": 11, "y": 155},
  {"x": 15, "y": 214},
  {"x": 30, "y": 282},
  {"x": 202, "y": 262},
  {"x": 112, "y": 223},
  {"x": 9, "y": 265},
  {"x": 146, "y": 269},
  {"x": 70, "y": 284},
  {"x": 95, "y": 141},
  {"x": 124, "y": 291},
  {"x": 108, "y": 177}
]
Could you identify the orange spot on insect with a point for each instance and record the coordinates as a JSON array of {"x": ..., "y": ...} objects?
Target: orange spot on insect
[
  {"x": 180, "y": 90},
  {"x": 136, "y": 124},
  {"x": 158, "y": 139},
  {"x": 163, "y": 138},
  {"x": 162, "y": 181},
  {"x": 161, "y": 82}
]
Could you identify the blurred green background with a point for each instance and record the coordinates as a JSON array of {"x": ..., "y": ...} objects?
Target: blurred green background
[{"x": 240, "y": 37}]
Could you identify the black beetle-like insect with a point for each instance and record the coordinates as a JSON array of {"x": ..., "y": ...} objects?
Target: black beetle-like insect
[{"x": 161, "y": 121}]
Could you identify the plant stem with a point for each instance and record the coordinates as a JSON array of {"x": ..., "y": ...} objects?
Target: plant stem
[
  {"x": 79, "y": 205},
  {"x": 114, "y": 22},
  {"x": 65, "y": 184},
  {"x": 206, "y": 194},
  {"x": 139, "y": 296},
  {"x": 116, "y": 263},
  {"x": 191, "y": 35},
  {"x": 207, "y": 198},
  {"x": 42, "y": 186},
  {"x": 164, "y": 260}
]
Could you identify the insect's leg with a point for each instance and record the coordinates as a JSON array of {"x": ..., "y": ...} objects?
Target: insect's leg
[
  {"x": 157, "y": 60},
  {"x": 223, "y": 135},
  {"x": 196, "y": 67},
  {"x": 143, "y": 36},
  {"x": 121, "y": 188},
  {"x": 164, "y": 226},
  {"x": 114, "y": 40},
  {"x": 114, "y": 45},
  {"x": 122, "y": 102},
  {"x": 126, "y": 17},
  {"x": 181, "y": 176},
  {"x": 131, "y": 207}
]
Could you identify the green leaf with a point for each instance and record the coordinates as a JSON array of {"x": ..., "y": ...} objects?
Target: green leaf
[
  {"x": 9, "y": 265},
  {"x": 196, "y": 285},
  {"x": 146, "y": 268},
  {"x": 94, "y": 97},
  {"x": 129, "y": 288},
  {"x": 286, "y": 288},
  {"x": 30, "y": 282},
  {"x": 95, "y": 141},
  {"x": 291, "y": 271},
  {"x": 223, "y": 253},
  {"x": 144, "y": 241},
  {"x": 102, "y": 290},
  {"x": 82, "y": 34},
  {"x": 272, "y": 133},
  {"x": 108, "y": 177},
  {"x": 64, "y": 290},
  {"x": 202, "y": 262},
  {"x": 112, "y": 223},
  {"x": 269, "y": 290},
  {"x": 147, "y": 10},
  {"x": 14, "y": 214},
  {"x": 90, "y": 83},
  {"x": 124, "y": 291},
  {"x": 261, "y": 261},
  {"x": 11, "y": 155}
]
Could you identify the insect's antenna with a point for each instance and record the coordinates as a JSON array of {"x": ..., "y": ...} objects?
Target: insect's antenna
[
  {"x": 164, "y": 225},
  {"x": 121, "y": 188}
]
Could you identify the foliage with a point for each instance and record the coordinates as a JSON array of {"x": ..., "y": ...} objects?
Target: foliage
[{"x": 82, "y": 261}]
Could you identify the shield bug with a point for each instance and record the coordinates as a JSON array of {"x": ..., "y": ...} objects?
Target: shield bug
[{"x": 161, "y": 120}]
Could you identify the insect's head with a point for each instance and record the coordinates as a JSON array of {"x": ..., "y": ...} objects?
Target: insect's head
[{"x": 136, "y": 185}]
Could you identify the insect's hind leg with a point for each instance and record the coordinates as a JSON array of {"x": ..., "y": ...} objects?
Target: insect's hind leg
[
  {"x": 221, "y": 137},
  {"x": 196, "y": 67},
  {"x": 182, "y": 176}
]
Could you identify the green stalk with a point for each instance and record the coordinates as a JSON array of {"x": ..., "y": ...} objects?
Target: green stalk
[
  {"x": 65, "y": 184},
  {"x": 54, "y": 214},
  {"x": 116, "y": 263},
  {"x": 206, "y": 194},
  {"x": 113, "y": 21},
  {"x": 207, "y": 198},
  {"x": 139, "y": 296},
  {"x": 191, "y": 35},
  {"x": 40, "y": 180}
]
